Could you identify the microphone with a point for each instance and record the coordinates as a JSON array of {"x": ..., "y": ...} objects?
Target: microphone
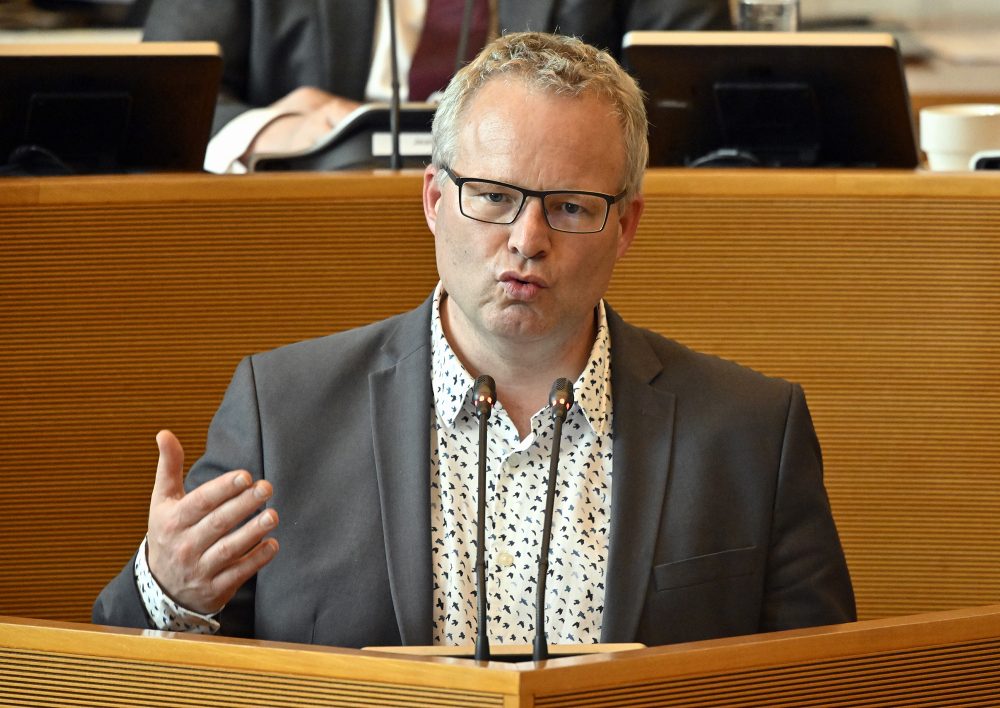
[
  {"x": 485, "y": 392},
  {"x": 561, "y": 400},
  {"x": 396, "y": 161}
]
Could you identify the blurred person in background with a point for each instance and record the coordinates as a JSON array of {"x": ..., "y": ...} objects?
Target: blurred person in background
[{"x": 294, "y": 69}]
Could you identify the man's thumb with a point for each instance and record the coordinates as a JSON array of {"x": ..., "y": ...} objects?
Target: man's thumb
[{"x": 169, "y": 482}]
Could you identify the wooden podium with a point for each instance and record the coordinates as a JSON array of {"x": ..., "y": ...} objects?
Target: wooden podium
[{"x": 942, "y": 659}]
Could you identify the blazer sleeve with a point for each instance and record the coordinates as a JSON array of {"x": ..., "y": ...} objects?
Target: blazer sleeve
[
  {"x": 807, "y": 580},
  {"x": 120, "y": 604}
]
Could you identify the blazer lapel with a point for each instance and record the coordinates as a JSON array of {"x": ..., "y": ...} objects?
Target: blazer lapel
[
  {"x": 643, "y": 436},
  {"x": 401, "y": 403}
]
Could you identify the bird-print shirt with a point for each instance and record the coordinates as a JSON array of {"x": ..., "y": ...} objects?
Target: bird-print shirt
[{"x": 517, "y": 483}]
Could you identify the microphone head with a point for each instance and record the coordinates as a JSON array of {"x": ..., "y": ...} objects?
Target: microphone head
[
  {"x": 485, "y": 393},
  {"x": 561, "y": 396}
]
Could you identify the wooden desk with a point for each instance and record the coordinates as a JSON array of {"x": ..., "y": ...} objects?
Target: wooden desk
[
  {"x": 945, "y": 659},
  {"x": 125, "y": 304}
]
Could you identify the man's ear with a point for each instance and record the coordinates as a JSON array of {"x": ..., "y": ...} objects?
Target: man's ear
[
  {"x": 432, "y": 197},
  {"x": 628, "y": 223}
]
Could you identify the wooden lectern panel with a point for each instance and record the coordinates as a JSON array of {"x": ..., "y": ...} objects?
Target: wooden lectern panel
[
  {"x": 126, "y": 302},
  {"x": 65, "y": 665},
  {"x": 945, "y": 659}
]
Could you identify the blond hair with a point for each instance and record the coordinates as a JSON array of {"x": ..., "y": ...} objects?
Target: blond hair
[{"x": 563, "y": 65}]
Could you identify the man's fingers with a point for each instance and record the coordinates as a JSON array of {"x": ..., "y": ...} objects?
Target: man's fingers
[
  {"x": 169, "y": 482},
  {"x": 230, "y": 549},
  {"x": 229, "y": 580},
  {"x": 225, "y": 501},
  {"x": 223, "y": 524}
]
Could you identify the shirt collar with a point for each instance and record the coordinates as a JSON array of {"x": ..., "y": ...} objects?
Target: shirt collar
[{"x": 452, "y": 384}]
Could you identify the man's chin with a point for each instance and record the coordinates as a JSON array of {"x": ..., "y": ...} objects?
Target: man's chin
[{"x": 518, "y": 321}]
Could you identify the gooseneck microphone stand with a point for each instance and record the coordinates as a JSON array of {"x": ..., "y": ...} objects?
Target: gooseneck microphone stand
[
  {"x": 561, "y": 400},
  {"x": 485, "y": 394}
]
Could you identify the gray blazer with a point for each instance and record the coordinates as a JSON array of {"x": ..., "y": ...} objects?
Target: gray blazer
[
  {"x": 720, "y": 523},
  {"x": 271, "y": 47}
]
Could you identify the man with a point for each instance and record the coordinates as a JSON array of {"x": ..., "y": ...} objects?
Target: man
[
  {"x": 690, "y": 501},
  {"x": 295, "y": 68}
]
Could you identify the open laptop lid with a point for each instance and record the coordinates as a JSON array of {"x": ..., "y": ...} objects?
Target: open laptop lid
[{"x": 108, "y": 107}]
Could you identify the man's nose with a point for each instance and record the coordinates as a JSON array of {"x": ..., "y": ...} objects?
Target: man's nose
[{"x": 530, "y": 234}]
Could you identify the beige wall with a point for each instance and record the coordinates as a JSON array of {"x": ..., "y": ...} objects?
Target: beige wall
[{"x": 917, "y": 13}]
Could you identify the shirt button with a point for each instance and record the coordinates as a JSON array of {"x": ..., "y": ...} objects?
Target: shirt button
[{"x": 505, "y": 559}]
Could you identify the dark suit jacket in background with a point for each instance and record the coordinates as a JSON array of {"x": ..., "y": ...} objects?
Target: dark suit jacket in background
[
  {"x": 271, "y": 47},
  {"x": 720, "y": 523}
]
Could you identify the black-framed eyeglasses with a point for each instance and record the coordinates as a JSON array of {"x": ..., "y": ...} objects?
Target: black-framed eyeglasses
[{"x": 495, "y": 202}]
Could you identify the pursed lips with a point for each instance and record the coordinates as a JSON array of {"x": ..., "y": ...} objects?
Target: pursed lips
[
  {"x": 520, "y": 286},
  {"x": 511, "y": 276}
]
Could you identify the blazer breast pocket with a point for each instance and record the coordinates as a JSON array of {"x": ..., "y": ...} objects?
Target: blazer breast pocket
[{"x": 707, "y": 568}]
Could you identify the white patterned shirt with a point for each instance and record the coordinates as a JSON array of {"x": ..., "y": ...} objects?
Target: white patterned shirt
[{"x": 517, "y": 483}]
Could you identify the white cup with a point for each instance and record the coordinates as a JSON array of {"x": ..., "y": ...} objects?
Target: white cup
[
  {"x": 768, "y": 15},
  {"x": 951, "y": 134}
]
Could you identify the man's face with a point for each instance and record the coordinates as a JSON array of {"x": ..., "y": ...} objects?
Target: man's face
[{"x": 524, "y": 282}]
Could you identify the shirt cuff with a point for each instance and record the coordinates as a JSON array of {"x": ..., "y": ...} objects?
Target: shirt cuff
[
  {"x": 232, "y": 142},
  {"x": 165, "y": 613}
]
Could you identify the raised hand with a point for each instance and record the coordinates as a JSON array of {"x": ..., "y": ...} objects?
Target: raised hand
[{"x": 198, "y": 551}]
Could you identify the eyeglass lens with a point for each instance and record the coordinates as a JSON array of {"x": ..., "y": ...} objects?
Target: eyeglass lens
[{"x": 564, "y": 211}]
